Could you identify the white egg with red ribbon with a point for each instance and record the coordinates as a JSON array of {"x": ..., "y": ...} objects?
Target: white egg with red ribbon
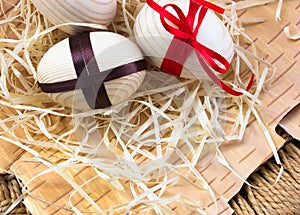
[{"x": 186, "y": 39}]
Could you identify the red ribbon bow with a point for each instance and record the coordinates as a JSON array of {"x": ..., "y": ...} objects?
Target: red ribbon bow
[{"x": 177, "y": 53}]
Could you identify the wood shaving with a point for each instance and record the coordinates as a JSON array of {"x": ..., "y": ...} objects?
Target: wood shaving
[{"x": 293, "y": 36}]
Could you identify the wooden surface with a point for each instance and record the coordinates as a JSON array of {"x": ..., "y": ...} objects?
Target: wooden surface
[{"x": 252, "y": 151}]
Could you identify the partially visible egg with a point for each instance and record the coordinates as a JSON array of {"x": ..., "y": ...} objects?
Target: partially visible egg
[
  {"x": 110, "y": 51},
  {"x": 154, "y": 39},
  {"x": 83, "y": 11}
]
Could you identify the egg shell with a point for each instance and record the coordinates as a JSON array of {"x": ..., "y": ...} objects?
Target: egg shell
[
  {"x": 87, "y": 11},
  {"x": 110, "y": 50},
  {"x": 154, "y": 40}
]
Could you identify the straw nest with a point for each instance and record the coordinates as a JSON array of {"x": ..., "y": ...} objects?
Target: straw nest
[{"x": 165, "y": 129}]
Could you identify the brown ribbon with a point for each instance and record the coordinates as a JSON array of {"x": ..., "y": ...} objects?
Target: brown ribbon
[{"x": 90, "y": 78}]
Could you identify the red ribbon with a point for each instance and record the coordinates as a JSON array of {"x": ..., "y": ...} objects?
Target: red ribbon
[{"x": 184, "y": 33}]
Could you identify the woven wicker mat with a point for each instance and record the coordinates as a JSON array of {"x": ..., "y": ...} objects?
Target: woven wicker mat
[
  {"x": 10, "y": 190},
  {"x": 283, "y": 198}
]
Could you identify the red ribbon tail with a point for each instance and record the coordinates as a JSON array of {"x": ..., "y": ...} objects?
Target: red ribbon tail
[
  {"x": 250, "y": 82},
  {"x": 215, "y": 78}
]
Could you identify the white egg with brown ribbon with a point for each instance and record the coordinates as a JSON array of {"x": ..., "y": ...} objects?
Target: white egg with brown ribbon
[
  {"x": 92, "y": 70},
  {"x": 87, "y": 11}
]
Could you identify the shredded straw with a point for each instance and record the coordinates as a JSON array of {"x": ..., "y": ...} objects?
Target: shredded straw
[
  {"x": 292, "y": 36},
  {"x": 163, "y": 134}
]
